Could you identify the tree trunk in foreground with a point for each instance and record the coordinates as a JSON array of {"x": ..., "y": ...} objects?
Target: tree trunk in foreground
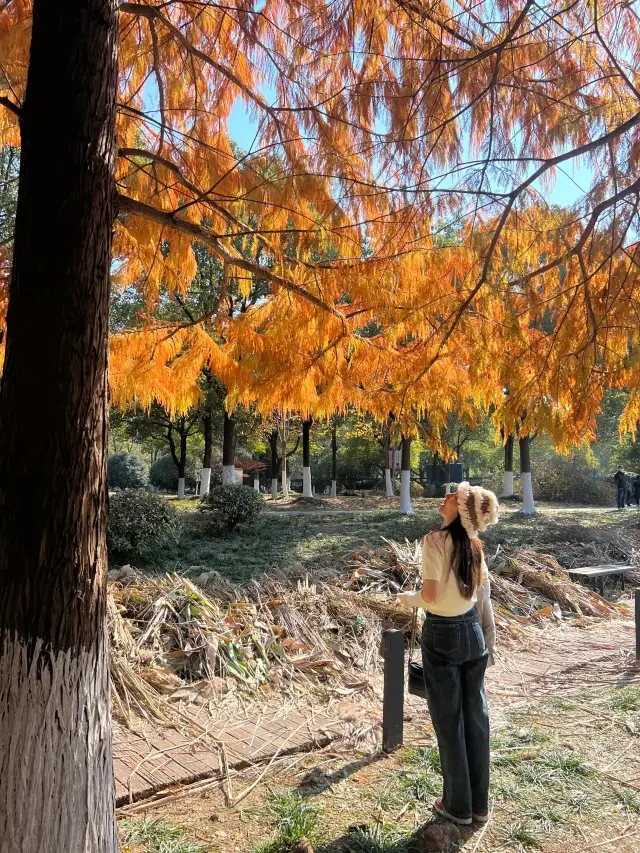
[
  {"x": 307, "y": 491},
  {"x": 528, "y": 506},
  {"x": 405, "y": 478},
  {"x": 229, "y": 451},
  {"x": 507, "y": 490},
  {"x": 56, "y": 769}
]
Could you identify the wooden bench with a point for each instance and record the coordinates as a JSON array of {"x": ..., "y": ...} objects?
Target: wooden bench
[{"x": 597, "y": 574}]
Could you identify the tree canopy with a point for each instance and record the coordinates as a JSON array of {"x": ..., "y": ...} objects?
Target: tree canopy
[{"x": 387, "y": 242}]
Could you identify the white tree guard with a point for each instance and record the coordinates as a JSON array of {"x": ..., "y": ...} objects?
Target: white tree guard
[
  {"x": 405, "y": 493},
  {"x": 205, "y": 481},
  {"x": 307, "y": 491},
  {"x": 528, "y": 506}
]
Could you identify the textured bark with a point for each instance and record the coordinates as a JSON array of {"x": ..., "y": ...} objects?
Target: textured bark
[
  {"x": 405, "y": 478},
  {"x": 528, "y": 505},
  {"x": 56, "y": 770},
  {"x": 307, "y": 491},
  {"x": 507, "y": 490},
  {"x": 334, "y": 454},
  {"x": 208, "y": 443}
]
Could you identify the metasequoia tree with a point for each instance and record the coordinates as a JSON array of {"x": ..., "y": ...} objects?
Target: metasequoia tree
[
  {"x": 56, "y": 773},
  {"x": 381, "y": 122}
]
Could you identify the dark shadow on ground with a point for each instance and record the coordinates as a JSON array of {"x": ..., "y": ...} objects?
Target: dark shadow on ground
[{"x": 317, "y": 781}]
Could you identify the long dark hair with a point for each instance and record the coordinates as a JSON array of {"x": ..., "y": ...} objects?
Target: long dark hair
[{"x": 466, "y": 560}]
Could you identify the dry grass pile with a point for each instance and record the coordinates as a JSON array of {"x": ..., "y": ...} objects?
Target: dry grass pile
[{"x": 177, "y": 646}]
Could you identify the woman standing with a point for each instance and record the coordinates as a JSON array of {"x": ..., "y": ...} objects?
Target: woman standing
[{"x": 454, "y": 649}]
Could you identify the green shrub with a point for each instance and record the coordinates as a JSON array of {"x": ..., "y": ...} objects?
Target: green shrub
[
  {"x": 164, "y": 474},
  {"x": 140, "y": 523},
  {"x": 231, "y": 505},
  {"x": 569, "y": 479},
  {"x": 127, "y": 471}
]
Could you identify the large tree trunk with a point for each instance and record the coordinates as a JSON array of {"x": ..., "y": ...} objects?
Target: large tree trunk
[
  {"x": 228, "y": 451},
  {"x": 205, "y": 474},
  {"x": 56, "y": 770},
  {"x": 307, "y": 491},
  {"x": 405, "y": 478},
  {"x": 334, "y": 461},
  {"x": 528, "y": 506},
  {"x": 507, "y": 489}
]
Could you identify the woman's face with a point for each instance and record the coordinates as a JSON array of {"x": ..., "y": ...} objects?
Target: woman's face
[{"x": 448, "y": 509}]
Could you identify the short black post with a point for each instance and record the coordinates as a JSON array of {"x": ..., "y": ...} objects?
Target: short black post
[
  {"x": 393, "y": 697},
  {"x": 637, "y": 625}
]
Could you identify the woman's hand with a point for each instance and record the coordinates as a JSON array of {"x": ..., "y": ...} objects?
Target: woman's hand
[{"x": 409, "y": 600}]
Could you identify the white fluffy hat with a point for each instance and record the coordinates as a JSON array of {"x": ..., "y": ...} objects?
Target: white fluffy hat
[{"x": 477, "y": 508}]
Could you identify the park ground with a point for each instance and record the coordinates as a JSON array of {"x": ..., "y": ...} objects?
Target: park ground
[{"x": 564, "y": 701}]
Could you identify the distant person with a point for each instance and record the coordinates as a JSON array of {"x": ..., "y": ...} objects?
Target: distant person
[
  {"x": 621, "y": 487},
  {"x": 636, "y": 490},
  {"x": 455, "y": 650}
]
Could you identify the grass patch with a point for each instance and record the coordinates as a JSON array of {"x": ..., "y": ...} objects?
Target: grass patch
[
  {"x": 294, "y": 817},
  {"x": 625, "y": 699},
  {"x": 520, "y": 835},
  {"x": 380, "y": 838},
  {"x": 283, "y": 543},
  {"x": 154, "y": 836}
]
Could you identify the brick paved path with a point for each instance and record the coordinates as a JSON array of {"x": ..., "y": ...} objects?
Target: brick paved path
[{"x": 556, "y": 660}]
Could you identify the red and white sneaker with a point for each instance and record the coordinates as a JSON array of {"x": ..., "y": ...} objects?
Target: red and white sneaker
[
  {"x": 439, "y": 808},
  {"x": 481, "y": 817}
]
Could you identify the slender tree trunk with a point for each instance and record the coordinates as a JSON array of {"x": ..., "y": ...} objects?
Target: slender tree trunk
[
  {"x": 205, "y": 475},
  {"x": 182, "y": 464},
  {"x": 528, "y": 506},
  {"x": 388, "y": 480},
  {"x": 334, "y": 461},
  {"x": 405, "y": 478},
  {"x": 283, "y": 462},
  {"x": 228, "y": 451},
  {"x": 56, "y": 769},
  {"x": 306, "y": 459},
  {"x": 507, "y": 490},
  {"x": 273, "y": 444}
]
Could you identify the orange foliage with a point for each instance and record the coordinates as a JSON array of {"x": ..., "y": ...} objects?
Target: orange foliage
[{"x": 377, "y": 123}]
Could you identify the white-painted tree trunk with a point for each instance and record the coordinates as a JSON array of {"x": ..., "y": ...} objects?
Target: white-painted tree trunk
[
  {"x": 274, "y": 488},
  {"x": 285, "y": 485},
  {"x": 405, "y": 493},
  {"x": 180, "y": 488},
  {"x": 56, "y": 768},
  {"x": 507, "y": 487},
  {"x": 228, "y": 475},
  {"x": 447, "y": 488},
  {"x": 528, "y": 506},
  {"x": 307, "y": 491},
  {"x": 388, "y": 482},
  {"x": 256, "y": 484},
  {"x": 334, "y": 489},
  {"x": 205, "y": 481}
]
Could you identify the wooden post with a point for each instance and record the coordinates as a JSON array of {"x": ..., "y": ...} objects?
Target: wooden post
[
  {"x": 393, "y": 696},
  {"x": 637, "y": 626}
]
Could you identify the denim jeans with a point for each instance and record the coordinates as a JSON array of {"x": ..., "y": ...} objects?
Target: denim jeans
[
  {"x": 621, "y": 496},
  {"x": 454, "y": 658}
]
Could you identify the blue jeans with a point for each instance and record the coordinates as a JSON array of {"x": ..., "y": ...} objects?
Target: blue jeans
[
  {"x": 454, "y": 658},
  {"x": 621, "y": 496}
]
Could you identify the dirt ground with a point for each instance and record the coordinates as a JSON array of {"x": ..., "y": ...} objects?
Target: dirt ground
[{"x": 565, "y": 708}]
